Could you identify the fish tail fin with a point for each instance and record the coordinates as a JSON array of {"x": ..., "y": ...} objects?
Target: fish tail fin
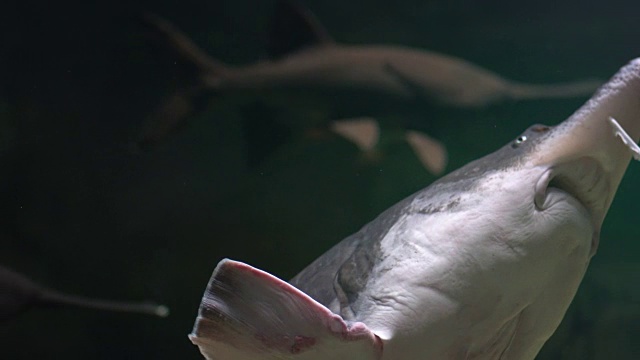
[
  {"x": 203, "y": 77},
  {"x": 185, "y": 50},
  {"x": 520, "y": 91}
]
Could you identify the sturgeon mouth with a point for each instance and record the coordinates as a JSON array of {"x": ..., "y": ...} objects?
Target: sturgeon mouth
[{"x": 583, "y": 179}]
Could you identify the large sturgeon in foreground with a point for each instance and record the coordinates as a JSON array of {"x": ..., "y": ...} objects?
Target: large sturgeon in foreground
[{"x": 482, "y": 264}]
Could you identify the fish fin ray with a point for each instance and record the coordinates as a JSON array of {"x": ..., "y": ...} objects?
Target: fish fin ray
[
  {"x": 199, "y": 79},
  {"x": 247, "y": 313}
]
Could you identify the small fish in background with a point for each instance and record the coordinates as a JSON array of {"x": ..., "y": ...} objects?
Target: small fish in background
[
  {"x": 481, "y": 264},
  {"x": 19, "y": 294},
  {"x": 303, "y": 57}
]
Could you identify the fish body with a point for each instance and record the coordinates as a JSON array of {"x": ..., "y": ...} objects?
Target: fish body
[
  {"x": 375, "y": 81},
  {"x": 304, "y": 57},
  {"x": 481, "y": 264},
  {"x": 392, "y": 71}
]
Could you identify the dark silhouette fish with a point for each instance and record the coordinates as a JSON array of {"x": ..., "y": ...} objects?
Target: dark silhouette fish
[
  {"x": 304, "y": 58},
  {"x": 18, "y": 294}
]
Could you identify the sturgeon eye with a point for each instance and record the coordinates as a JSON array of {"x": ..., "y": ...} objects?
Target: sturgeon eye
[{"x": 519, "y": 141}]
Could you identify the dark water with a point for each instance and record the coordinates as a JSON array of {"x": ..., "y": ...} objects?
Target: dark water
[{"x": 83, "y": 213}]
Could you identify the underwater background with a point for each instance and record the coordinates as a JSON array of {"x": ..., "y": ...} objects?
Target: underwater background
[{"x": 83, "y": 211}]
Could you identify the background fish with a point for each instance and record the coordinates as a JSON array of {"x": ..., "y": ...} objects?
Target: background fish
[
  {"x": 305, "y": 59},
  {"x": 18, "y": 294}
]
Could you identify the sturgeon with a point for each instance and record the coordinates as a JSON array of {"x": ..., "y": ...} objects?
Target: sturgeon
[
  {"x": 18, "y": 294},
  {"x": 481, "y": 264},
  {"x": 357, "y": 80}
]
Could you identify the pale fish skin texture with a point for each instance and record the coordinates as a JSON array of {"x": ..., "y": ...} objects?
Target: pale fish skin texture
[{"x": 481, "y": 264}]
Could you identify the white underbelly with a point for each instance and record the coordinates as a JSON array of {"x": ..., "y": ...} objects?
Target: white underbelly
[{"x": 463, "y": 286}]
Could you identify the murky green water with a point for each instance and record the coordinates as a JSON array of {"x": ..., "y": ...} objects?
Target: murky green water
[{"x": 255, "y": 177}]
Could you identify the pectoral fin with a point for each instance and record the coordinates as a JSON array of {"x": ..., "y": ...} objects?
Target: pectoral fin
[
  {"x": 249, "y": 314},
  {"x": 431, "y": 153},
  {"x": 364, "y": 132}
]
